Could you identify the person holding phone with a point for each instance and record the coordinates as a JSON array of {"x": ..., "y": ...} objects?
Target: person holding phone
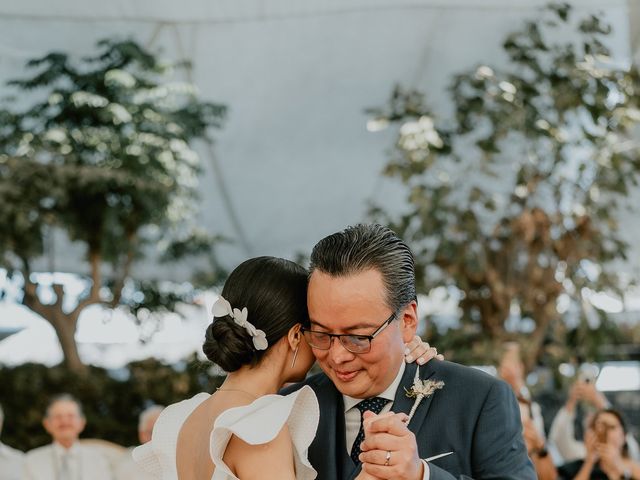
[
  {"x": 562, "y": 435},
  {"x": 607, "y": 454}
]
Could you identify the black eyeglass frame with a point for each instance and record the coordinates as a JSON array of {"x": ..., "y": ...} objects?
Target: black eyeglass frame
[{"x": 339, "y": 336}]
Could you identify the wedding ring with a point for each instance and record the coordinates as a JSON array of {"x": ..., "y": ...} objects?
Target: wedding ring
[{"x": 387, "y": 458}]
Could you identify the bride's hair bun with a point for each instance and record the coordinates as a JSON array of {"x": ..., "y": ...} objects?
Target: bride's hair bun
[
  {"x": 274, "y": 291},
  {"x": 228, "y": 345}
]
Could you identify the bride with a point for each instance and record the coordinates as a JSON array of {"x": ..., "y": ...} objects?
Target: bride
[{"x": 245, "y": 429}]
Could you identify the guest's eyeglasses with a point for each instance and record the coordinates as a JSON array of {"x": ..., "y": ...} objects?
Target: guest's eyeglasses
[{"x": 351, "y": 342}]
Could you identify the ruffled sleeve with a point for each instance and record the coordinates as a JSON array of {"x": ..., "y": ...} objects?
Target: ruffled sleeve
[{"x": 261, "y": 421}]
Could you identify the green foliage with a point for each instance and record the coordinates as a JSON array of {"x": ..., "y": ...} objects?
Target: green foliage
[
  {"x": 104, "y": 154},
  {"x": 515, "y": 200},
  {"x": 113, "y": 141},
  {"x": 111, "y": 405}
]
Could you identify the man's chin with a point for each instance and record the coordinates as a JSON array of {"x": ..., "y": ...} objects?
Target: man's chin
[{"x": 350, "y": 384}]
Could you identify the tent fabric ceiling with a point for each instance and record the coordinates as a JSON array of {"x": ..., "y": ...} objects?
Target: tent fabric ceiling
[{"x": 294, "y": 154}]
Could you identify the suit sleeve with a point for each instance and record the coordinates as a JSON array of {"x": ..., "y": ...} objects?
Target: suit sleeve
[{"x": 498, "y": 450}]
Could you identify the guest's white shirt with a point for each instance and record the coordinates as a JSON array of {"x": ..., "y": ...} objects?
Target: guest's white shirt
[
  {"x": 85, "y": 463},
  {"x": 11, "y": 463},
  {"x": 128, "y": 469},
  {"x": 352, "y": 414}
]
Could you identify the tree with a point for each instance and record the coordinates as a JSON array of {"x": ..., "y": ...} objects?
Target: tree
[
  {"x": 104, "y": 156},
  {"x": 515, "y": 201}
]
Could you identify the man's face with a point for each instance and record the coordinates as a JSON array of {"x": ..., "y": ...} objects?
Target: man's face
[
  {"x": 355, "y": 304},
  {"x": 64, "y": 422}
]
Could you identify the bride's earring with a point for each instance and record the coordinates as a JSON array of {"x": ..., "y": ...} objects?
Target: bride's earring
[{"x": 295, "y": 355}]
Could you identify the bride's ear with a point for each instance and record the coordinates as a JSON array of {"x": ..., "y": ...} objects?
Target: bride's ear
[{"x": 294, "y": 336}]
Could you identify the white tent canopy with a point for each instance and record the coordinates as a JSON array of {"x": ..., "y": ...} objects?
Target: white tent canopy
[{"x": 294, "y": 160}]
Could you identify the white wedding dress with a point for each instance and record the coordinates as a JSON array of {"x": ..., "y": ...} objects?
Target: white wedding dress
[{"x": 256, "y": 423}]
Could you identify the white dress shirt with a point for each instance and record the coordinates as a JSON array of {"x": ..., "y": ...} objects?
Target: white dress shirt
[
  {"x": 11, "y": 463},
  {"x": 352, "y": 414},
  {"x": 85, "y": 463},
  {"x": 128, "y": 469}
]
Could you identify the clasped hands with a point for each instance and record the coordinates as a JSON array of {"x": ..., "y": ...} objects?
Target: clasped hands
[
  {"x": 609, "y": 457},
  {"x": 389, "y": 449}
]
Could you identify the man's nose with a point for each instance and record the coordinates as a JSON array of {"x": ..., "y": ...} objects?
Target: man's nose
[{"x": 338, "y": 353}]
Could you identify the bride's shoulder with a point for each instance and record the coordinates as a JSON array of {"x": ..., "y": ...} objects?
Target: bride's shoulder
[
  {"x": 272, "y": 410},
  {"x": 270, "y": 418}
]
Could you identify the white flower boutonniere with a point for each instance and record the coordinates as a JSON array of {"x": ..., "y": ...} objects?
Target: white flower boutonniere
[{"x": 421, "y": 389}]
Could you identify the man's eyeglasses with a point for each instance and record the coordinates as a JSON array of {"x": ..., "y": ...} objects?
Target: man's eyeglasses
[{"x": 351, "y": 342}]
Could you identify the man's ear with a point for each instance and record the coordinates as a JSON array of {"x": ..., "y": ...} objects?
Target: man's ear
[
  {"x": 45, "y": 424},
  {"x": 409, "y": 321}
]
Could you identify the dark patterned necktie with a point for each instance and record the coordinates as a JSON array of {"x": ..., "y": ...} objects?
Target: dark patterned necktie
[{"x": 375, "y": 404}]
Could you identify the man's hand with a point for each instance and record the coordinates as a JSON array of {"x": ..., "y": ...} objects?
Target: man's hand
[
  {"x": 389, "y": 450},
  {"x": 420, "y": 352}
]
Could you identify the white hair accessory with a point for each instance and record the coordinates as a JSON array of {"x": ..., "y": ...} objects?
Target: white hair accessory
[{"x": 223, "y": 308}]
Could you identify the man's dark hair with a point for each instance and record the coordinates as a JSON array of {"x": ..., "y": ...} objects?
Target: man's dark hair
[{"x": 365, "y": 247}]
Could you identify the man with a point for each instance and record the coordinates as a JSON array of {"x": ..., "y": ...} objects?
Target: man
[
  {"x": 65, "y": 458},
  {"x": 128, "y": 469},
  {"x": 11, "y": 460},
  {"x": 362, "y": 307}
]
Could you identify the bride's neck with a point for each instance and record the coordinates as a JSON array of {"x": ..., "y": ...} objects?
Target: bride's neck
[{"x": 256, "y": 381}]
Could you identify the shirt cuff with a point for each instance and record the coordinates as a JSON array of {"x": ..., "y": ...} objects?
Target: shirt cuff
[{"x": 427, "y": 473}]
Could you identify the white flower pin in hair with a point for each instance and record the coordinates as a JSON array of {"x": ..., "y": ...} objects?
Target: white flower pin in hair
[
  {"x": 222, "y": 308},
  {"x": 421, "y": 389}
]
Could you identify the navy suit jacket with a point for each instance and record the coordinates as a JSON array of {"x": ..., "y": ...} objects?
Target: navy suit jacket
[{"x": 474, "y": 415}]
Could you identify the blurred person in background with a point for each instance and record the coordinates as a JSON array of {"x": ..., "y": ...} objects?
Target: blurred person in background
[
  {"x": 65, "y": 458},
  {"x": 536, "y": 448},
  {"x": 11, "y": 460},
  {"x": 128, "y": 469},
  {"x": 606, "y": 452},
  {"x": 511, "y": 369},
  {"x": 562, "y": 432}
]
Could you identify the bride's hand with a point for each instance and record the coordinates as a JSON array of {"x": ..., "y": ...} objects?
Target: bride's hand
[{"x": 420, "y": 352}]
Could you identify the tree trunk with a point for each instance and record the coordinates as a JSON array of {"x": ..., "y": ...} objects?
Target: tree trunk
[
  {"x": 64, "y": 324},
  {"x": 65, "y": 328}
]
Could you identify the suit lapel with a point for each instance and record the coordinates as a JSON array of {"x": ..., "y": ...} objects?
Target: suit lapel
[{"x": 403, "y": 403}]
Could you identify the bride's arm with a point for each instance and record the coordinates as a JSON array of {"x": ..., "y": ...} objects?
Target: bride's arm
[{"x": 267, "y": 461}]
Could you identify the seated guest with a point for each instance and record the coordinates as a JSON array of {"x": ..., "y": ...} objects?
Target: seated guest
[
  {"x": 128, "y": 469},
  {"x": 11, "y": 460},
  {"x": 65, "y": 458},
  {"x": 607, "y": 456}
]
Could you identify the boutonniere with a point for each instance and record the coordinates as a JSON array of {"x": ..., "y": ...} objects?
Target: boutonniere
[{"x": 421, "y": 389}]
